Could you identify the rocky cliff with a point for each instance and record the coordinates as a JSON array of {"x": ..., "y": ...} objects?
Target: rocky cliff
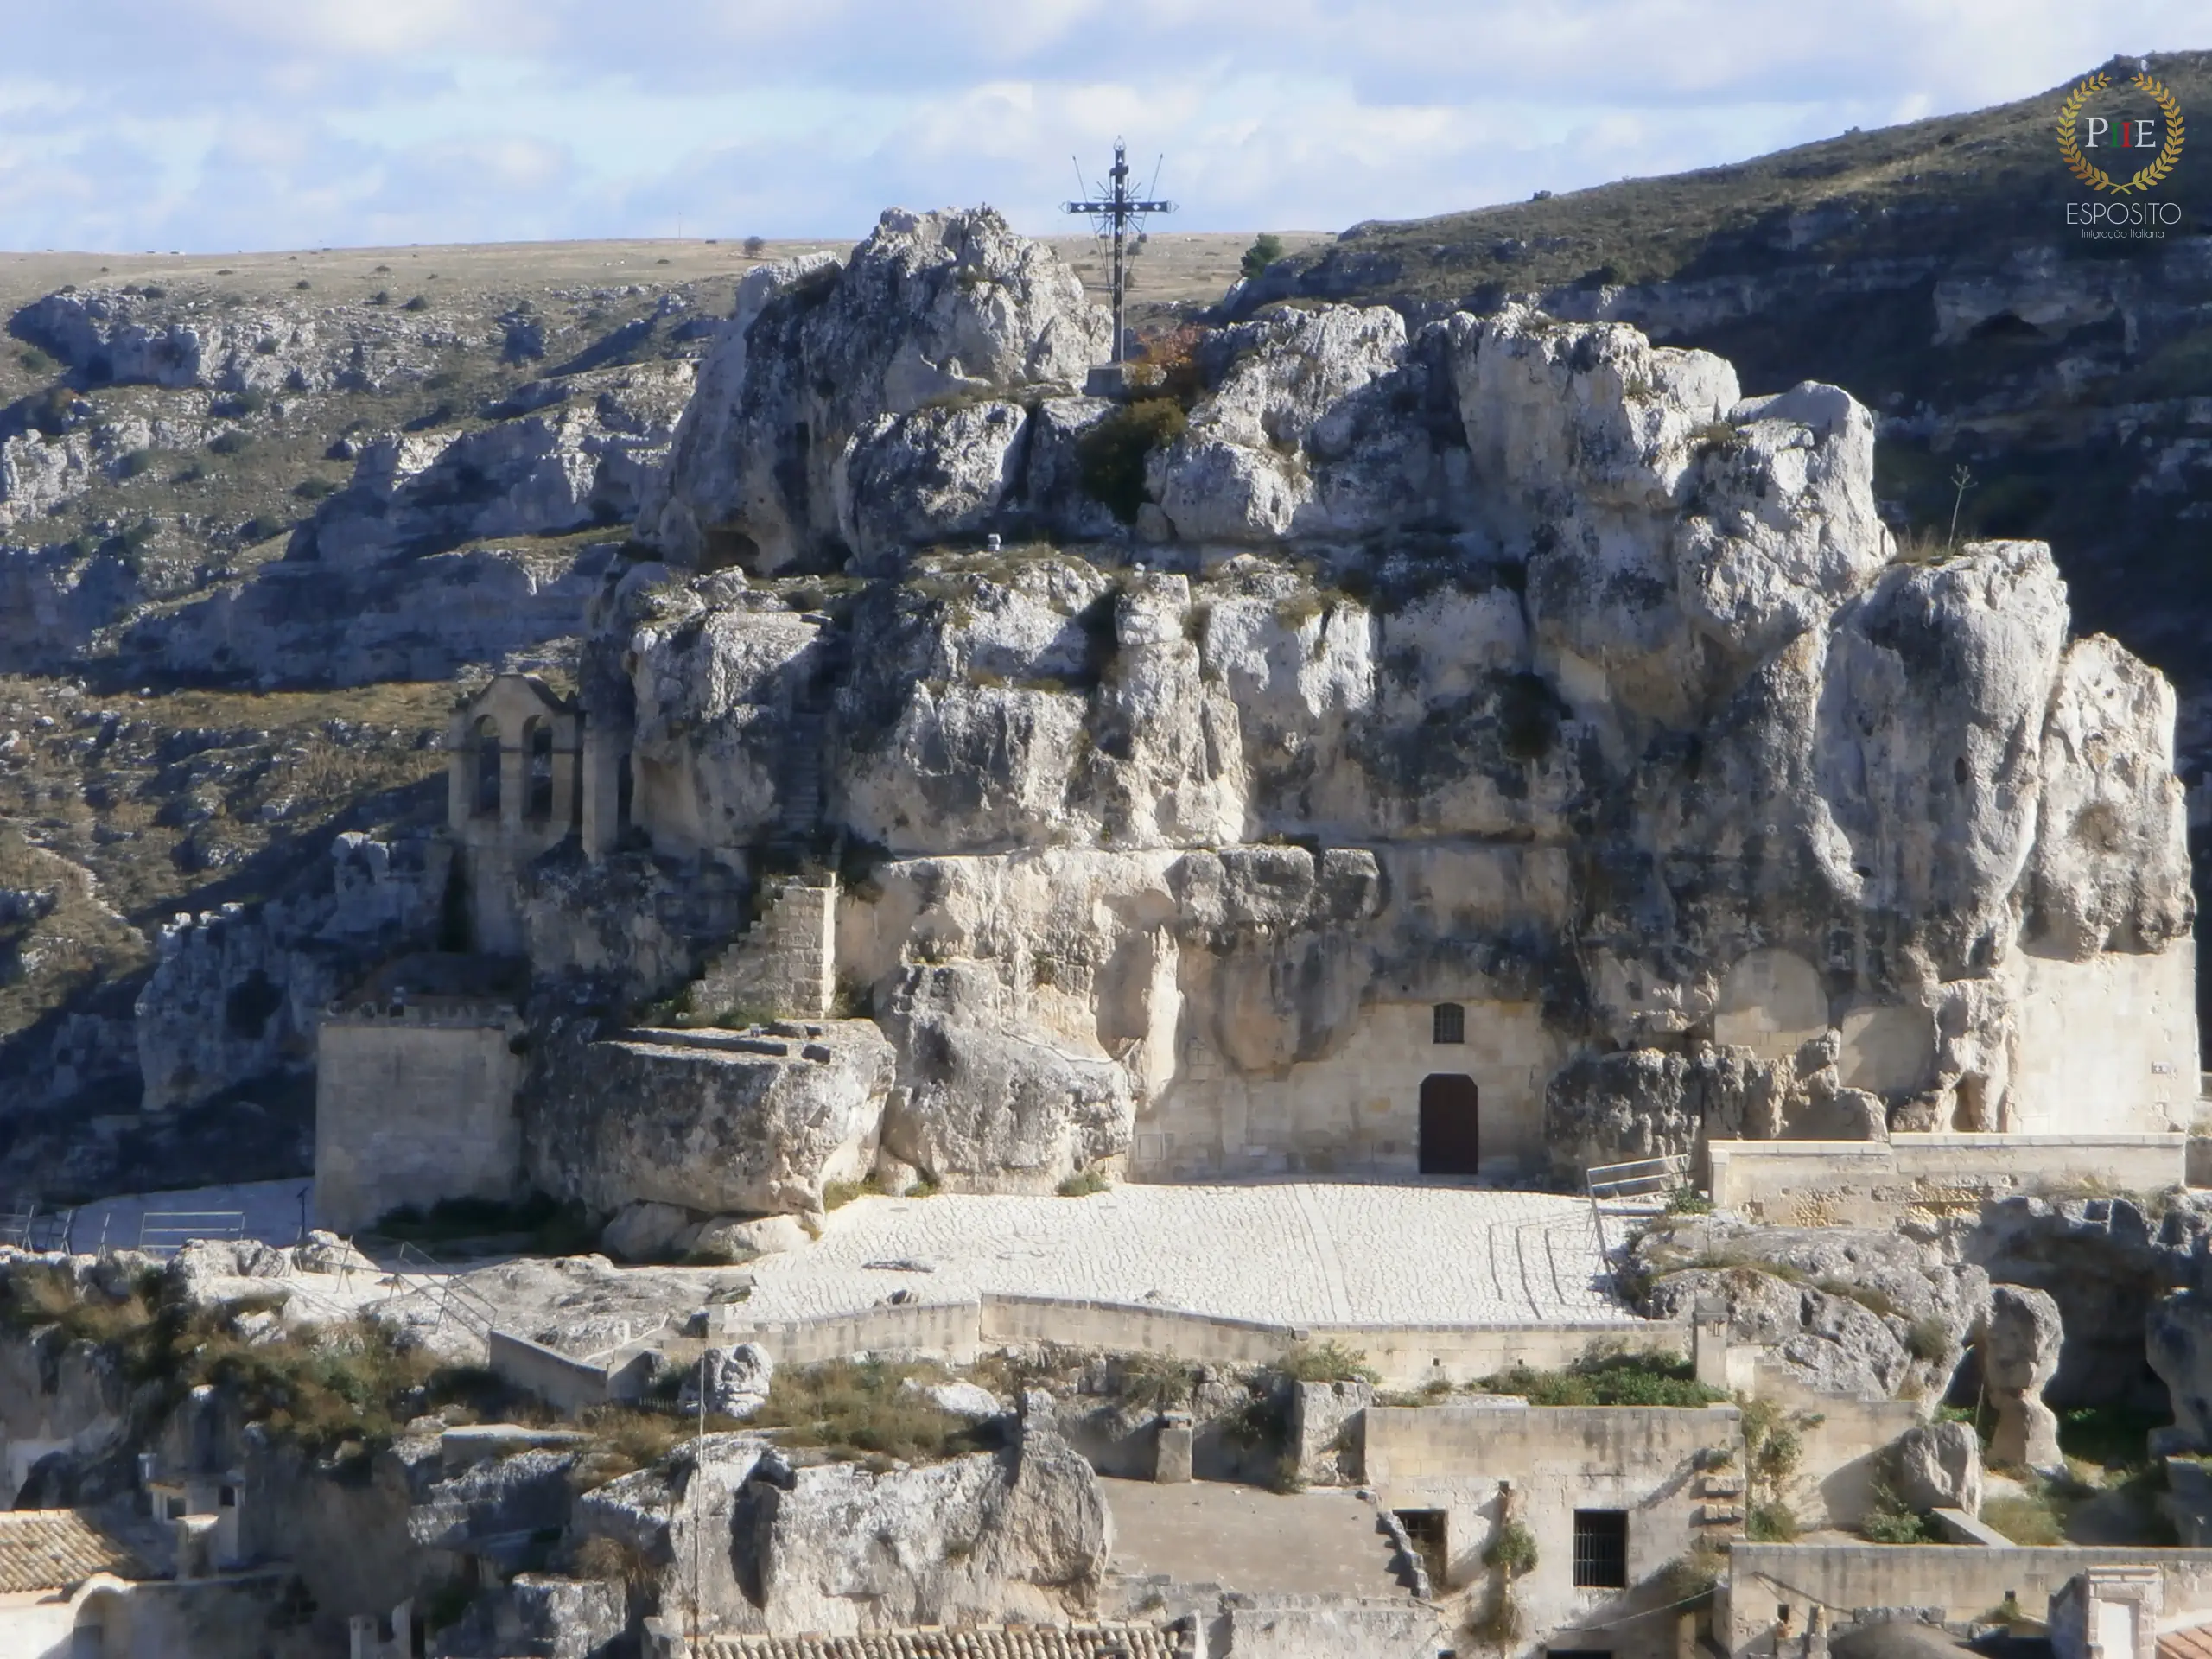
[
  {"x": 1508, "y": 663},
  {"x": 1930, "y": 269}
]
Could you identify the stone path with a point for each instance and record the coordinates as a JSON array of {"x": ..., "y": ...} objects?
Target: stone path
[
  {"x": 1299, "y": 1253},
  {"x": 1244, "y": 1538}
]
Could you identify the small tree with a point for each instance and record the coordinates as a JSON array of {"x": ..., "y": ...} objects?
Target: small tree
[
  {"x": 1263, "y": 252},
  {"x": 754, "y": 246}
]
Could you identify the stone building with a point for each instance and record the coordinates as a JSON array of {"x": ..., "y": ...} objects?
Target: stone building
[
  {"x": 512, "y": 791},
  {"x": 1609, "y": 1496},
  {"x": 415, "y": 1076}
]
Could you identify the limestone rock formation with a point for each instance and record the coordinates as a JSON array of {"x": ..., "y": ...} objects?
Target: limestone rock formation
[
  {"x": 841, "y": 1548},
  {"x": 1508, "y": 663},
  {"x": 1938, "y": 1465},
  {"x": 1846, "y": 1310},
  {"x": 713, "y": 1122},
  {"x": 2019, "y": 1354},
  {"x": 580, "y": 457},
  {"x": 826, "y": 377},
  {"x": 734, "y": 1382},
  {"x": 2178, "y": 1343}
]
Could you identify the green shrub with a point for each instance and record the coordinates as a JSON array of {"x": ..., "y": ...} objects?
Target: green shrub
[
  {"x": 1608, "y": 1380},
  {"x": 1084, "y": 1184},
  {"x": 1326, "y": 1361},
  {"x": 856, "y": 1410},
  {"x": 1928, "y": 1340},
  {"x": 134, "y": 464},
  {"x": 1770, "y": 1524},
  {"x": 2034, "y": 1519},
  {"x": 232, "y": 443},
  {"x": 1697, "y": 1574},
  {"x": 1689, "y": 1201},
  {"x": 1266, "y": 249},
  {"x": 1511, "y": 1550},
  {"x": 314, "y": 489},
  {"x": 837, "y": 1194},
  {"x": 1891, "y": 1520},
  {"x": 1156, "y": 1382},
  {"x": 1111, "y": 454},
  {"x": 418, "y": 304}
]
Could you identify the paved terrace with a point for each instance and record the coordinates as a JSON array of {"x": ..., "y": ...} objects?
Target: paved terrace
[{"x": 1298, "y": 1253}]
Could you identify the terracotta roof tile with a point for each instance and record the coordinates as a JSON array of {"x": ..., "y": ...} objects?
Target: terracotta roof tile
[
  {"x": 1015, "y": 1641},
  {"x": 56, "y": 1549},
  {"x": 2186, "y": 1644}
]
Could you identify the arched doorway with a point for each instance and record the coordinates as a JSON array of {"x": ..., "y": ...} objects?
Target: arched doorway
[{"x": 1450, "y": 1139}]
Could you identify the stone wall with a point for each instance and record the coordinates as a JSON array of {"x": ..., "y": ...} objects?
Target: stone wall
[
  {"x": 785, "y": 965},
  {"x": 1964, "y": 1581},
  {"x": 414, "y": 1107},
  {"x": 1861, "y": 1184},
  {"x": 2108, "y": 1044},
  {"x": 1648, "y": 1461},
  {"x": 1357, "y": 1109},
  {"x": 1405, "y": 1356},
  {"x": 563, "y": 1383}
]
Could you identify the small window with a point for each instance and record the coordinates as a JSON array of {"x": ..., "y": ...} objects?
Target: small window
[
  {"x": 1425, "y": 1532},
  {"x": 540, "y": 749},
  {"x": 1601, "y": 1549},
  {"x": 487, "y": 769},
  {"x": 1448, "y": 1023}
]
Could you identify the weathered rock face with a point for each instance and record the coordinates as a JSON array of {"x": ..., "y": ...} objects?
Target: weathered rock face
[
  {"x": 822, "y": 434},
  {"x": 1938, "y": 1465},
  {"x": 581, "y": 457},
  {"x": 716, "y": 1122},
  {"x": 1847, "y": 1310},
  {"x": 1019, "y": 1534},
  {"x": 2107, "y": 1266},
  {"x": 734, "y": 1382},
  {"x": 2179, "y": 1345},
  {"x": 2019, "y": 1354},
  {"x": 985, "y": 1098},
  {"x": 237, "y": 995},
  {"x": 1712, "y": 815}
]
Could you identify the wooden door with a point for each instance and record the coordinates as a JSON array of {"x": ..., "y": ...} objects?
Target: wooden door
[{"x": 1450, "y": 1141}]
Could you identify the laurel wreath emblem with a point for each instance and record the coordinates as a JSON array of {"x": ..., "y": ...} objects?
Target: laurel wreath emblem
[{"x": 2094, "y": 176}]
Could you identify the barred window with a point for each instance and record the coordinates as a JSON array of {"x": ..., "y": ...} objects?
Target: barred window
[
  {"x": 1449, "y": 1024},
  {"x": 1601, "y": 1549}
]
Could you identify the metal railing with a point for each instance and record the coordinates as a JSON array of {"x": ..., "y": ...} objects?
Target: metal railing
[
  {"x": 1639, "y": 1177},
  {"x": 415, "y": 1272},
  {"x": 164, "y": 1232}
]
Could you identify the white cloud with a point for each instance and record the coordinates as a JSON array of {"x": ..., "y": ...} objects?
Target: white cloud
[{"x": 212, "y": 123}]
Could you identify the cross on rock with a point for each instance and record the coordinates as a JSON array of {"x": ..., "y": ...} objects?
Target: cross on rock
[{"x": 1115, "y": 210}]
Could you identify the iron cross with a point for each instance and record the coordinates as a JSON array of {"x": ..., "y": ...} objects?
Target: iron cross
[{"x": 1116, "y": 211}]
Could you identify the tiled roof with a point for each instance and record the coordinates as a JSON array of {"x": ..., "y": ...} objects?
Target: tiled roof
[
  {"x": 2186, "y": 1644},
  {"x": 55, "y": 1549},
  {"x": 1016, "y": 1642}
]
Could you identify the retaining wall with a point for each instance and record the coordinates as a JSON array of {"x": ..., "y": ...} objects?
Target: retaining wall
[
  {"x": 566, "y": 1384},
  {"x": 1406, "y": 1356},
  {"x": 1863, "y": 1183},
  {"x": 1965, "y": 1580}
]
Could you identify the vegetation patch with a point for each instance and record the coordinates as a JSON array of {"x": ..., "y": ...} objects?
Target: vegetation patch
[
  {"x": 857, "y": 1411},
  {"x": 1608, "y": 1380},
  {"x": 1112, "y": 452},
  {"x": 1326, "y": 1361}
]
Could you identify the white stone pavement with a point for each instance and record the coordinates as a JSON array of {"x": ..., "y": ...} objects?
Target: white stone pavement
[{"x": 1298, "y": 1253}]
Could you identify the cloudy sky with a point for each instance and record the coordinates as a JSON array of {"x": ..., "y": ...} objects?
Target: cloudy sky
[{"x": 207, "y": 125}]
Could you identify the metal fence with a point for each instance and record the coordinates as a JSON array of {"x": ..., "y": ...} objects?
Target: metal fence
[
  {"x": 164, "y": 1232},
  {"x": 1640, "y": 1186}
]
